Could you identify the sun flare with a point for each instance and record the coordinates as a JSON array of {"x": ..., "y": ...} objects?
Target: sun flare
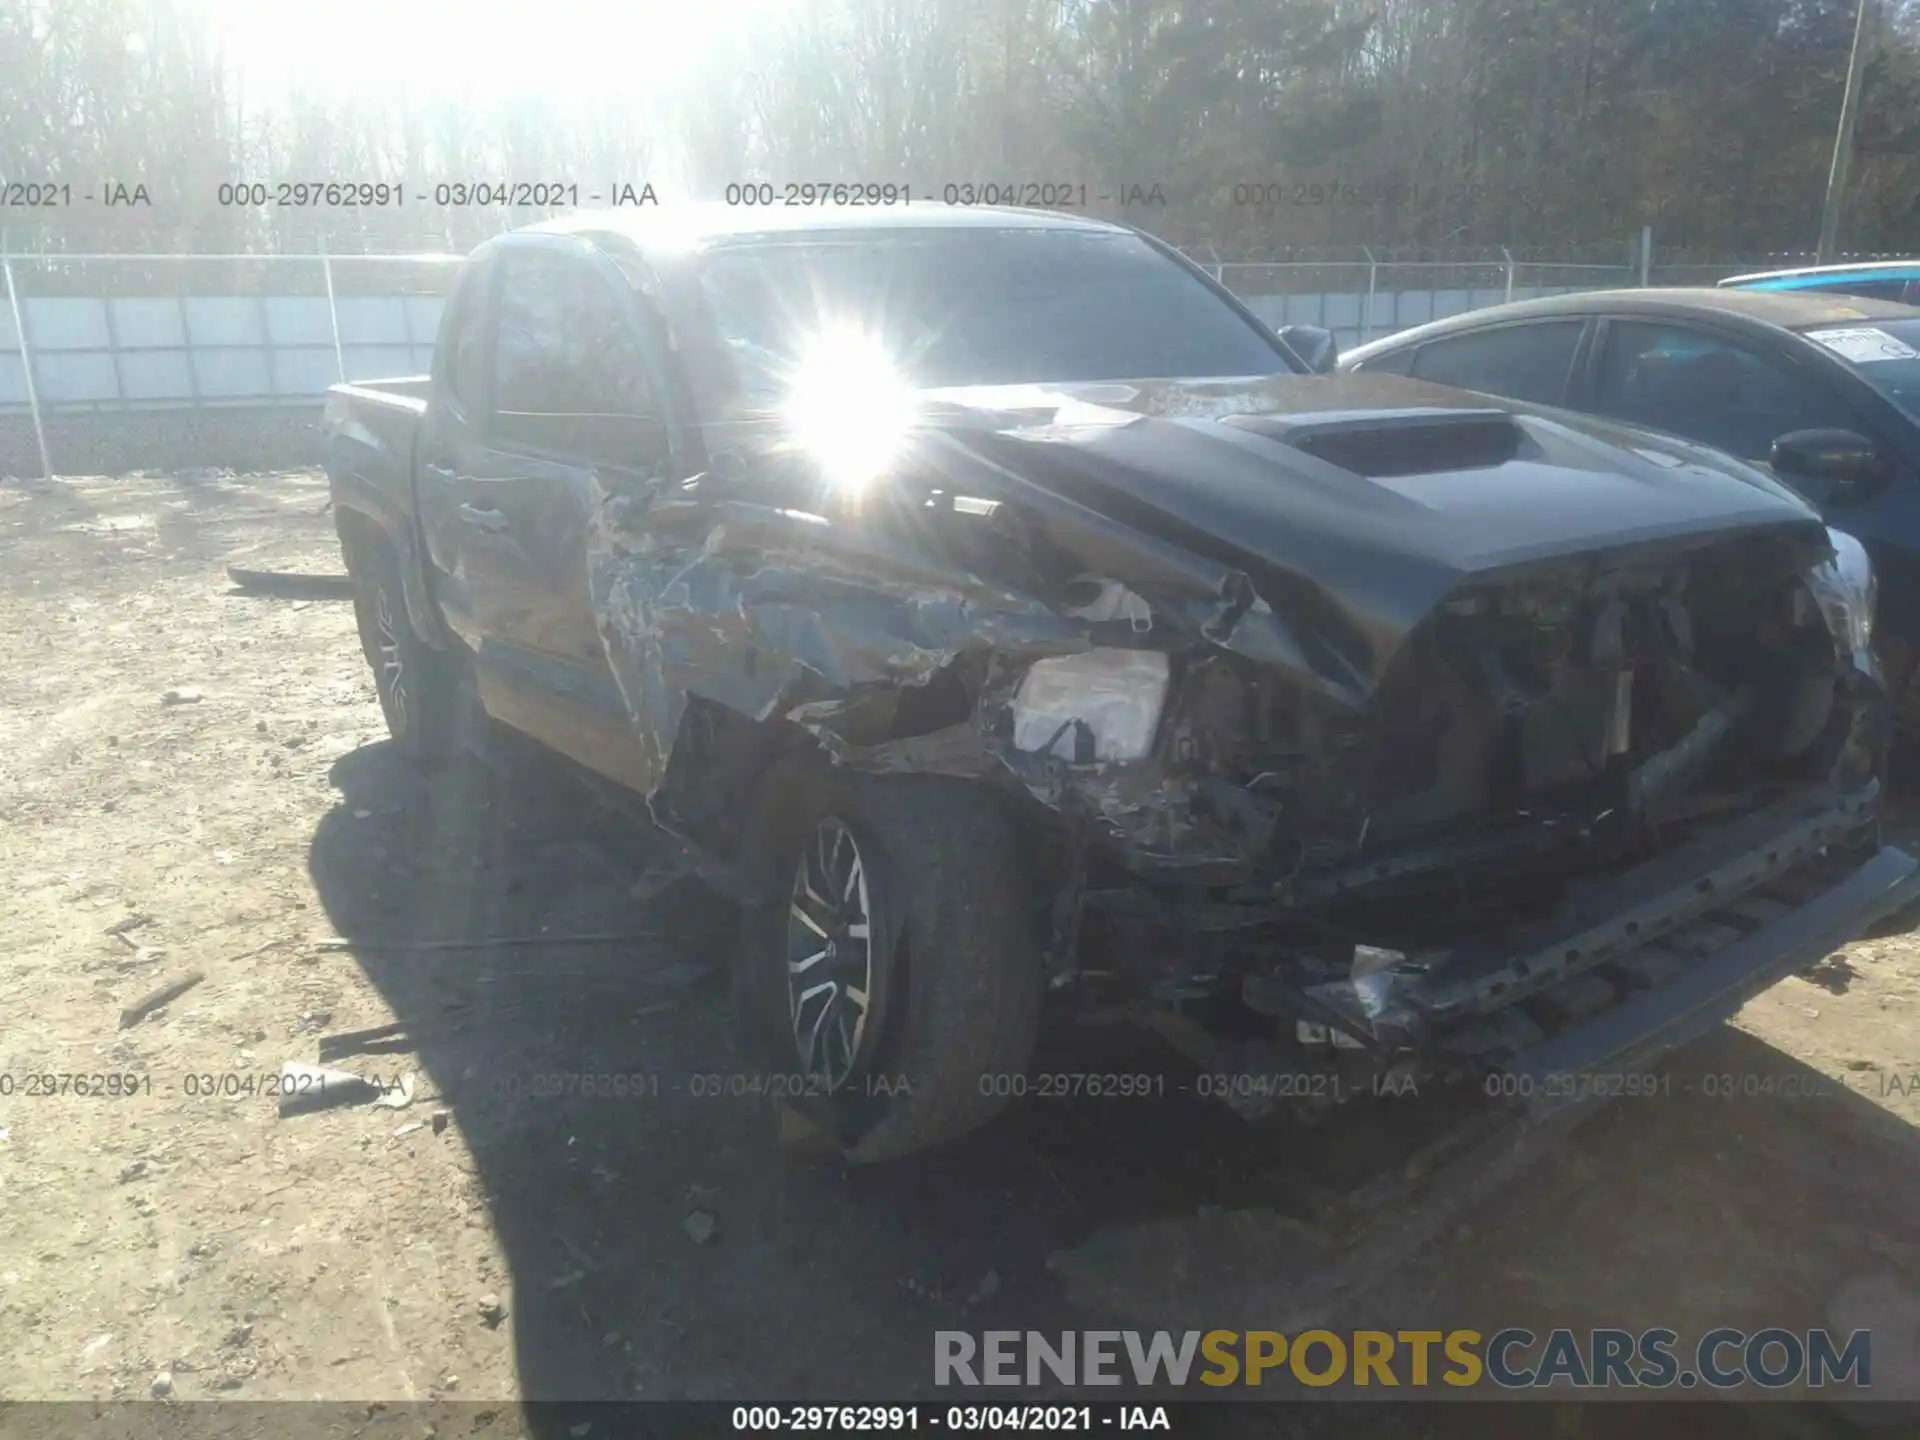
[{"x": 848, "y": 406}]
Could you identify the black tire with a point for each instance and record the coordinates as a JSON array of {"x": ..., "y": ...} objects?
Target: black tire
[
  {"x": 421, "y": 689},
  {"x": 956, "y": 977}
]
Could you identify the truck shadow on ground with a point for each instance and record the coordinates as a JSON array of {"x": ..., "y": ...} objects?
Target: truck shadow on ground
[{"x": 663, "y": 1246}]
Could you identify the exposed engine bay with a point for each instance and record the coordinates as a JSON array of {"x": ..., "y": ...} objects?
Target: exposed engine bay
[
  {"x": 1554, "y": 730},
  {"x": 1528, "y": 737},
  {"x": 1553, "y": 704}
]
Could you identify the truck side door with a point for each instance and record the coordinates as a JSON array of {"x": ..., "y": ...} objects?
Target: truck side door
[
  {"x": 456, "y": 415},
  {"x": 574, "y": 408}
]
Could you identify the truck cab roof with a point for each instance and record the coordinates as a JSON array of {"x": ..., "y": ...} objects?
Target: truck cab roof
[{"x": 700, "y": 225}]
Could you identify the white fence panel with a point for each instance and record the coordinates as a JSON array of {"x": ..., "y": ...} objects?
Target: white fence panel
[{"x": 93, "y": 352}]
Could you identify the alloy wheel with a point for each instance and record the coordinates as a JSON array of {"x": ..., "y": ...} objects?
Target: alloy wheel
[{"x": 830, "y": 959}]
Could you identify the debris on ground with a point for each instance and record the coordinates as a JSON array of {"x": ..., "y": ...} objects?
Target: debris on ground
[
  {"x": 316, "y": 1087},
  {"x": 491, "y": 1310},
  {"x": 142, "y": 954},
  {"x": 154, "y": 999},
  {"x": 182, "y": 695},
  {"x": 292, "y": 585},
  {"x": 163, "y": 1385},
  {"x": 988, "y": 1287},
  {"x": 399, "y": 1096},
  {"x": 700, "y": 1227},
  {"x": 399, "y": 1035},
  {"x": 439, "y": 1121},
  {"x": 933, "y": 1288},
  {"x": 131, "y": 922},
  {"x": 798, "y": 1134},
  {"x": 133, "y": 1171}
]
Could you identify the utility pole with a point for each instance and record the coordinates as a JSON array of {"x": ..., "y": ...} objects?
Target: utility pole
[{"x": 1843, "y": 142}]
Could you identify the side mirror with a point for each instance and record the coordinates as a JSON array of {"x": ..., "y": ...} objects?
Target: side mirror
[
  {"x": 1839, "y": 465},
  {"x": 1312, "y": 344}
]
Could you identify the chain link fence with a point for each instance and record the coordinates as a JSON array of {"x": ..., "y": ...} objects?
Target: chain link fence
[
  {"x": 1361, "y": 300},
  {"x": 98, "y": 333}
]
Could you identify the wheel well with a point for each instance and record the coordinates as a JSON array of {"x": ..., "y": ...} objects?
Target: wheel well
[
  {"x": 719, "y": 758},
  {"x": 359, "y": 533}
]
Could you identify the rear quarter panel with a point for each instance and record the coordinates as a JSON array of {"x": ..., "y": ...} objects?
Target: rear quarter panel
[{"x": 371, "y": 431}]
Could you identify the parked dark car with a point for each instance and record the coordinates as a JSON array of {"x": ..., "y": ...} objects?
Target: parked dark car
[
  {"x": 1896, "y": 280},
  {"x": 1825, "y": 390},
  {"x": 997, "y": 610}
]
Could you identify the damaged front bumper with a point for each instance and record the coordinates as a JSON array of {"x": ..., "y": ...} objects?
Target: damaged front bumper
[
  {"x": 1632, "y": 1035},
  {"x": 1627, "y": 969}
]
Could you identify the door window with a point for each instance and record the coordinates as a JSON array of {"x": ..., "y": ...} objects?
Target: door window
[
  {"x": 1703, "y": 388},
  {"x": 465, "y": 341},
  {"x": 1393, "y": 362},
  {"x": 568, "y": 369},
  {"x": 1894, "y": 290},
  {"x": 1520, "y": 362}
]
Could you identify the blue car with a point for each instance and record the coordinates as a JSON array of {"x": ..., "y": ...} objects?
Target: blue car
[
  {"x": 1896, "y": 280},
  {"x": 1821, "y": 388}
]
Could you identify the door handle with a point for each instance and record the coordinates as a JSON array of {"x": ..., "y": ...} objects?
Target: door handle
[{"x": 484, "y": 519}]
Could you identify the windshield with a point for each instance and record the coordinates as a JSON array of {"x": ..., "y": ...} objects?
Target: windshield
[
  {"x": 979, "y": 307},
  {"x": 1884, "y": 353}
]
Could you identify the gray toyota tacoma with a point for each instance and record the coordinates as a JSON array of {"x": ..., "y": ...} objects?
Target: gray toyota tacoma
[{"x": 1004, "y": 618}]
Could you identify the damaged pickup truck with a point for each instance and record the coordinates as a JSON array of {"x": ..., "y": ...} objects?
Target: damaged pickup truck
[{"x": 1005, "y": 617}]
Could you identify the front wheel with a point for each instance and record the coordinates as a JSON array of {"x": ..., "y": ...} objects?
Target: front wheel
[{"x": 897, "y": 981}]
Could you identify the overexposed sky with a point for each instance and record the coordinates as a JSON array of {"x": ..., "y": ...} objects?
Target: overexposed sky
[{"x": 475, "y": 49}]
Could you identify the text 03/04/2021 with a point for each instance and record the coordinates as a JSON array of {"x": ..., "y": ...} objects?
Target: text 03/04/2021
[{"x": 950, "y": 1419}]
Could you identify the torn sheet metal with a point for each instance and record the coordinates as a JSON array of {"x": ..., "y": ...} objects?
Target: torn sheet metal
[
  {"x": 775, "y": 615},
  {"x": 1188, "y": 508},
  {"x": 778, "y": 614}
]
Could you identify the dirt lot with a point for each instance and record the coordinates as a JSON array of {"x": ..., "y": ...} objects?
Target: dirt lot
[{"x": 558, "y": 1247}]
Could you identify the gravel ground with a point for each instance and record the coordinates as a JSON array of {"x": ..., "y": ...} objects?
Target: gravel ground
[{"x": 205, "y": 773}]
